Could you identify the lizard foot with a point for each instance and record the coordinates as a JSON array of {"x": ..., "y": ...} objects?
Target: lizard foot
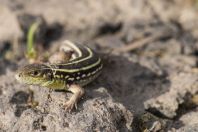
[
  {"x": 77, "y": 94},
  {"x": 69, "y": 105}
]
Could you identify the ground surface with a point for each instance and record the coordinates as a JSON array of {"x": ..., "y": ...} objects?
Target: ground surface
[{"x": 150, "y": 76}]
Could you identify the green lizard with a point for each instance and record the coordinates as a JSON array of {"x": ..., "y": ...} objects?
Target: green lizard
[{"x": 70, "y": 76}]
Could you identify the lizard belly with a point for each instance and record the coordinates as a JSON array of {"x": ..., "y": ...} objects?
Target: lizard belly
[{"x": 56, "y": 84}]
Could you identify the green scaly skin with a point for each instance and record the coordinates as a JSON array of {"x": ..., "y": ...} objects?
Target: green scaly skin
[{"x": 71, "y": 75}]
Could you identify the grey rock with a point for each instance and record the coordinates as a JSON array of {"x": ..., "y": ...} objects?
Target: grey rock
[
  {"x": 96, "y": 114},
  {"x": 188, "y": 128},
  {"x": 100, "y": 113},
  {"x": 168, "y": 103},
  {"x": 189, "y": 118}
]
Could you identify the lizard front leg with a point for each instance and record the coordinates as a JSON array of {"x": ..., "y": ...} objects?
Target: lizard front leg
[{"x": 78, "y": 92}]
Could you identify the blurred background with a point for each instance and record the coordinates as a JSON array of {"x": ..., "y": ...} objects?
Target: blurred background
[
  {"x": 149, "y": 48},
  {"x": 108, "y": 24}
]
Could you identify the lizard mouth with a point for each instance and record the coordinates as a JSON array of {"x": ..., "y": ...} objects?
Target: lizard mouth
[
  {"x": 21, "y": 79},
  {"x": 27, "y": 80},
  {"x": 17, "y": 76}
]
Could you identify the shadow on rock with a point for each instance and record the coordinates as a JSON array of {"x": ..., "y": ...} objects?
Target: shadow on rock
[{"x": 130, "y": 83}]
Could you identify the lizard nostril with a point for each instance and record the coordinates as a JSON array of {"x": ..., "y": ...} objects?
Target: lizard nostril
[{"x": 19, "y": 75}]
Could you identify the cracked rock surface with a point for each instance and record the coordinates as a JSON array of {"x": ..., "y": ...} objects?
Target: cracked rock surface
[
  {"x": 149, "y": 50},
  {"x": 183, "y": 85},
  {"x": 100, "y": 114}
]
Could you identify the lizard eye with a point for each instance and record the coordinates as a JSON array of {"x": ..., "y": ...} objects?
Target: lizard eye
[{"x": 35, "y": 73}]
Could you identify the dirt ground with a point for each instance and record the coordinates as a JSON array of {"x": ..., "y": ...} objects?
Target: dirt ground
[{"x": 149, "y": 49}]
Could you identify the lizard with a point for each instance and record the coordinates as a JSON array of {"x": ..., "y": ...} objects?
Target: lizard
[{"x": 71, "y": 75}]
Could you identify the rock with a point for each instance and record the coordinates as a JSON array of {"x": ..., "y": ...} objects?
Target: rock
[
  {"x": 157, "y": 76},
  {"x": 189, "y": 118},
  {"x": 9, "y": 26},
  {"x": 188, "y": 128},
  {"x": 183, "y": 87},
  {"x": 100, "y": 113},
  {"x": 150, "y": 123},
  {"x": 129, "y": 82},
  {"x": 96, "y": 115}
]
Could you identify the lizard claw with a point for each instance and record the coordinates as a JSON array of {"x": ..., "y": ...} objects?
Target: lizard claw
[
  {"x": 69, "y": 105},
  {"x": 77, "y": 94}
]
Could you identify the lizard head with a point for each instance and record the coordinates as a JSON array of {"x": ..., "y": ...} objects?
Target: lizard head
[{"x": 37, "y": 74}]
